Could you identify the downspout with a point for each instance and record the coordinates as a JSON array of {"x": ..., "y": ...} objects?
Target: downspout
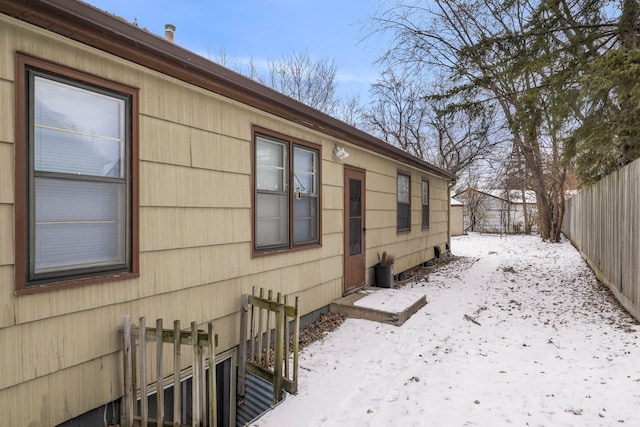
[{"x": 452, "y": 183}]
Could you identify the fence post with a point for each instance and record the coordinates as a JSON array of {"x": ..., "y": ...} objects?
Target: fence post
[
  {"x": 213, "y": 417},
  {"x": 177, "y": 404},
  {"x": 195, "y": 377},
  {"x": 296, "y": 342},
  {"x": 128, "y": 373},
  {"x": 144, "y": 407},
  {"x": 159, "y": 376},
  {"x": 277, "y": 367},
  {"x": 242, "y": 368}
]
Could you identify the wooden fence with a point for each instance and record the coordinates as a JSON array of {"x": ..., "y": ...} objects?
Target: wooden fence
[
  {"x": 261, "y": 317},
  {"x": 603, "y": 223},
  {"x": 140, "y": 383}
]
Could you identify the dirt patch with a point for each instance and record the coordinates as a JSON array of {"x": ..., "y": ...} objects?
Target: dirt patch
[{"x": 327, "y": 322}]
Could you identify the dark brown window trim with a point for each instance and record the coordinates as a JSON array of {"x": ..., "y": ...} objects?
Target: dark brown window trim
[
  {"x": 22, "y": 284},
  {"x": 255, "y": 129},
  {"x": 88, "y": 25},
  {"x": 407, "y": 229}
]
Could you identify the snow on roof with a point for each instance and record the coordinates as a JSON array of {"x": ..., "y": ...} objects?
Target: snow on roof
[
  {"x": 455, "y": 202},
  {"x": 514, "y": 196}
]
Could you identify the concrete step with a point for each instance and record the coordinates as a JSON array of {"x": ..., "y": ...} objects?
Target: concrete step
[{"x": 392, "y": 306}]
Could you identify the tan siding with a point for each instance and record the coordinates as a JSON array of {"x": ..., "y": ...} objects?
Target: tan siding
[
  {"x": 332, "y": 221},
  {"x": 72, "y": 391},
  {"x": 199, "y": 304},
  {"x": 29, "y": 308},
  {"x": 7, "y": 118},
  {"x": 219, "y": 152},
  {"x": 180, "y": 103},
  {"x": 7, "y": 301},
  {"x": 56, "y": 343},
  {"x": 381, "y": 202},
  {"x": 170, "y": 270},
  {"x": 9, "y": 35},
  {"x": 6, "y": 231},
  {"x": 195, "y": 235},
  {"x": 295, "y": 279},
  {"x": 165, "y": 142},
  {"x": 415, "y": 246},
  {"x": 169, "y": 228},
  {"x": 165, "y": 185},
  {"x": 377, "y": 181},
  {"x": 378, "y": 219},
  {"x": 332, "y": 174},
  {"x": 311, "y": 299},
  {"x": 332, "y": 197},
  {"x": 6, "y": 173},
  {"x": 287, "y": 128}
]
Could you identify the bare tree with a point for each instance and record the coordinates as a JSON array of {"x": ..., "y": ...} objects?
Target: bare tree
[
  {"x": 474, "y": 43},
  {"x": 398, "y": 113},
  {"x": 311, "y": 82},
  {"x": 410, "y": 113},
  {"x": 350, "y": 111}
]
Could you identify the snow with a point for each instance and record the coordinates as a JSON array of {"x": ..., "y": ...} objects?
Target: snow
[
  {"x": 515, "y": 332},
  {"x": 389, "y": 300}
]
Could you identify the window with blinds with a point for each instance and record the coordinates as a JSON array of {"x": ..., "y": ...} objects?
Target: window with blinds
[
  {"x": 286, "y": 203},
  {"x": 78, "y": 180}
]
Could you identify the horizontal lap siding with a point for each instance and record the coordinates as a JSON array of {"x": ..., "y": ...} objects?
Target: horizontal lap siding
[
  {"x": 7, "y": 118},
  {"x": 195, "y": 238},
  {"x": 413, "y": 247},
  {"x": 195, "y": 235}
]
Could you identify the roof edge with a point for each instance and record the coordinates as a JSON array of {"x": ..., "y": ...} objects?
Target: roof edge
[{"x": 89, "y": 25}]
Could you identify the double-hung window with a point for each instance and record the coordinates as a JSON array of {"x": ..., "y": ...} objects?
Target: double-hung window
[
  {"x": 287, "y": 201},
  {"x": 404, "y": 202},
  {"x": 76, "y": 158},
  {"x": 425, "y": 203}
]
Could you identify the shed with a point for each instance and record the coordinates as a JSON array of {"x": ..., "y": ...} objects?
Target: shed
[{"x": 457, "y": 217}]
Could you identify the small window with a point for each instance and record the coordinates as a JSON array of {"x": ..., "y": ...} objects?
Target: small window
[
  {"x": 286, "y": 201},
  {"x": 404, "y": 202},
  {"x": 78, "y": 184},
  {"x": 425, "y": 203}
]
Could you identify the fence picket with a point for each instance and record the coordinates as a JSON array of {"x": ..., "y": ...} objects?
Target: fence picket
[
  {"x": 279, "y": 373},
  {"x": 201, "y": 343},
  {"x": 602, "y": 221}
]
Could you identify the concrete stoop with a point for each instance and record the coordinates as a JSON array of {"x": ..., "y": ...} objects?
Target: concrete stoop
[{"x": 352, "y": 306}]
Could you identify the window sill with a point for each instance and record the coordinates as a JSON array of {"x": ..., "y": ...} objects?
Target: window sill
[
  {"x": 66, "y": 284},
  {"x": 267, "y": 252}
]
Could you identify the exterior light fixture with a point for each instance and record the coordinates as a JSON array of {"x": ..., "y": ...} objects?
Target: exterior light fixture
[{"x": 340, "y": 153}]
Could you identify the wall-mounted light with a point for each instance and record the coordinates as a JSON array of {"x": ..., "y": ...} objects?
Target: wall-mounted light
[{"x": 340, "y": 153}]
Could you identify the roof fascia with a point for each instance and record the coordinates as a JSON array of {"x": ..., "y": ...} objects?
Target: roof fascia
[{"x": 84, "y": 23}]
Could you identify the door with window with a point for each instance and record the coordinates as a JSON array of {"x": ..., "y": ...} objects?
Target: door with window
[{"x": 354, "y": 229}]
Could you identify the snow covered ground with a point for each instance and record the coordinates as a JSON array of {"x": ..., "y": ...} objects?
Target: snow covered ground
[{"x": 516, "y": 332}]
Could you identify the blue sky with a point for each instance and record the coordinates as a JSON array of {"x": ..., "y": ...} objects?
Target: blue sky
[{"x": 266, "y": 30}]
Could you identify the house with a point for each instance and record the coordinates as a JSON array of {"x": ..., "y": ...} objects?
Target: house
[
  {"x": 193, "y": 185},
  {"x": 457, "y": 217},
  {"x": 498, "y": 211}
]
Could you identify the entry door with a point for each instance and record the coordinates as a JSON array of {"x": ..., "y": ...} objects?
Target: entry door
[{"x": 354, "y": 231}]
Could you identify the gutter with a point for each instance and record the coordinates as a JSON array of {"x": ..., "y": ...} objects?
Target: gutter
[{"x": 86, "y": 24}]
